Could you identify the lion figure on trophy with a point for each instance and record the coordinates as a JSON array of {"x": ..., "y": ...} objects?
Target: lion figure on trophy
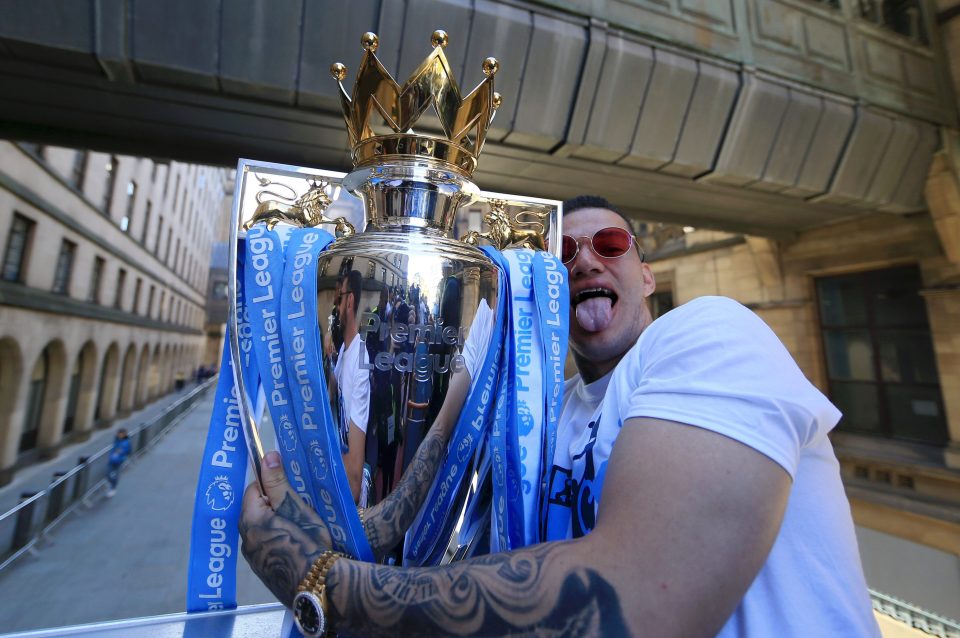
[
  {"x": 304, "y": 211},
  {"x": 503, "y": 232}
]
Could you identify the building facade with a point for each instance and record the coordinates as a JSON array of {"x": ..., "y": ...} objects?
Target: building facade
[{"x": 102, "y": 290}]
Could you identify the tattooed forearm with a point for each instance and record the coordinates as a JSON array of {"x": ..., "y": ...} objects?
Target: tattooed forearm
[
  {"x": 281, "y": 548},
  {"x": 545, "y": 590},
  {"x": 387, "y": 522}
]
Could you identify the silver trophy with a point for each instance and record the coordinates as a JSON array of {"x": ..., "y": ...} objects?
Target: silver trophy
[{"x": 404, "y": 309}]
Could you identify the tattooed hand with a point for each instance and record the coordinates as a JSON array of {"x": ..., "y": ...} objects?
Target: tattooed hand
[{"x": 282, "y": 536}]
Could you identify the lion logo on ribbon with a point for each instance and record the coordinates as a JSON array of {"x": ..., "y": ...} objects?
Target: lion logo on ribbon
[
  {"x": 220, "y": 494},
  {"x": 319, "y": 464},
  {"x": 288, "y": 435}
]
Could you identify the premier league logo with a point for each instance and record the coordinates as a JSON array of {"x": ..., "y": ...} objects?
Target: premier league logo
[
  {"x": 288, "y": 435},
  {"x": 319, "y": 463},
  {"x": 220, "y": 494},
  {"x": 524, "y": 418}
]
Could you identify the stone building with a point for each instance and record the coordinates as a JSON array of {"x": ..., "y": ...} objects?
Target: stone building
[{"x": 102, "y": 290}]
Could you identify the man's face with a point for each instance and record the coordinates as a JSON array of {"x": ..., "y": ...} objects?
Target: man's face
[
  {"x": 607, "y": 295},
  {"x": 344, "y": 301}
]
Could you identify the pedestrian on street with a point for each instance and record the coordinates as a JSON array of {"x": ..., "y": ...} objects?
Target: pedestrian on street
[{"x": 119, "y": 454}]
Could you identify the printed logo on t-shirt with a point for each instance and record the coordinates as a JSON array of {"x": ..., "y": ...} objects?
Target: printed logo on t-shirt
[{"x": 575, "y": 499}]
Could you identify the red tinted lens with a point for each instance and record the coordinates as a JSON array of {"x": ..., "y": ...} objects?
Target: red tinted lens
[
  {"x": 611, "y": 242},
  {"x": 568, "y": 250}
]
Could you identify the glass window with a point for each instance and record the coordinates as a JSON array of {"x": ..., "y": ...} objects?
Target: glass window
[
  {"x": 881, "y": 366},
  {"x": 121, "y": 280},
  {"x": 127, "y": 218},
  {"x": 109, "y": 180},
  {"x": 93, "y": 295},
  {"x": 61, "y": 276},
  {"x": 79, "y": 170},
  {"x": 136, "y": 295},
  {"x": 18, "y": 243},
  {"x": 146, "y": 223},
  {"x": 899, "y": 16}
]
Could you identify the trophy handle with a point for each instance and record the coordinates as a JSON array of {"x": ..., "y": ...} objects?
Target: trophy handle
[{"x": 508, "y": 232}]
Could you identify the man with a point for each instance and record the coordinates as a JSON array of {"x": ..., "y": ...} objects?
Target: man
[
  {"x": 353, "y": 381},
  {"x": 693, "y": 480}
]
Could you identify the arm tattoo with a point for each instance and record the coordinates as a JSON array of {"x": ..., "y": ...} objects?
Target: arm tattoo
[
  {"x": 282, "y": 548},
  {"x": 387, "y": 522},
  {"x": 537, "y": 591}
]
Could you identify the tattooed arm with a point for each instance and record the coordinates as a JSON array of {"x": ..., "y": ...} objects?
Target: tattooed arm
[
  {"x": 688, "y": 517},
  {"x": 387, "y": 522}
]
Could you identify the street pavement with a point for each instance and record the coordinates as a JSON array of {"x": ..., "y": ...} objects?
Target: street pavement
[{"x": 123, "y": 557}]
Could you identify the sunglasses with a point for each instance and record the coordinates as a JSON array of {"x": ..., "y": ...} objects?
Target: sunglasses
[{"x": 609, "y": 243}]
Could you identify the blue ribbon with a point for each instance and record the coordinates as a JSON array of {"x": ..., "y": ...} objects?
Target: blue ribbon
[
  {"x": 321, "y": 441},
  {"x": 212, "y": 570},
  {"x": 552, "y": 302}
]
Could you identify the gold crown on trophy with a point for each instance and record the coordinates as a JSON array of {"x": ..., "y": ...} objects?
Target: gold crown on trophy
[{"x": 464, "y": 120}]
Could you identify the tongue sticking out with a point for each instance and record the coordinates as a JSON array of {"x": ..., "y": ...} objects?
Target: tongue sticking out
[{"x": 595, "y": 314}]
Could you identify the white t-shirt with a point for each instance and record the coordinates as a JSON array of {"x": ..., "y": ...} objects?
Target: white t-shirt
[
  {"x": 712, "y": 363},
  {"x": 353, "y": 382}
]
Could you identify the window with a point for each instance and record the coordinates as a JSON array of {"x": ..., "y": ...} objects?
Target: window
[
  {"x": 156, "y": 246},
  {"x": 18, "y": 244},
  {"x": 881, "y": 366},
  {"x": 79, "y": 170},
  {"x": 109, "y": 181},
  {"x": 61, "y": 276},
  {"x": 121, "y": 281},
  {"x": 150, "y": 301},
  {"x": 900, "y": 16},
  {"x": 661, "y": 302},
  {"x": 146, "y": 223},
  {"x": 34, "y": 149},
  {"x": 166, "y": 256},
  {"x": 136, "y": 295},
  {"x": 219, "y": 289},
  {"x": 93, "y": 295},
  {"x": 131, "y": 202}
]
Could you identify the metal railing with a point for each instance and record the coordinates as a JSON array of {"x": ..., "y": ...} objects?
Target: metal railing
[
  {"x": 913, "y": 616},
  {"x": 39, "y": 512}
]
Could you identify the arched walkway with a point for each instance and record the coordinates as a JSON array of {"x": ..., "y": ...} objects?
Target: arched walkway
[
  {"x": 81, "y": 400},
  {"x": 11, "y": 372},
  {"x": 129, "y": 383},
  {"x": 155, "y": 367},
  {"x": 42, "y": 423},
  {"x": 143, "y": 369},
  {"x": 107, "y": 387}
]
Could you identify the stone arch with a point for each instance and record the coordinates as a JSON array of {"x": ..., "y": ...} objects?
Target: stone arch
[
  {"x": 107, "y": 396},
  {"x": 81, "y": 390},
  {"x": 11, "y": 414},
  {"x": 166, "y": 379},
  {"x": 43, "y": 423},
  {"x": 143, "y": 368},
  {"x": 153, "y": 383},
  {"x": 129, "y": 383}
]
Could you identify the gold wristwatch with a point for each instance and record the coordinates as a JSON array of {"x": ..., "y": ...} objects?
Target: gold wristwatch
[{"x": 310, "y": 603}]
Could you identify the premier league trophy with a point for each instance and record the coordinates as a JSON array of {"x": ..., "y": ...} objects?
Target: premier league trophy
[{"x": 356, "y": 344}]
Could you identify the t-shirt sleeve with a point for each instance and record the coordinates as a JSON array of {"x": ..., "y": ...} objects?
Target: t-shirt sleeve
[
  {"x": 360, "y": 399},
  {"x": 478, "y": 339},
  {"x": 715, "y": 364}
]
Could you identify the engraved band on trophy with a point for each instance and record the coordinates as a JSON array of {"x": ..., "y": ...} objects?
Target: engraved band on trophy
[{"x": 401, "y": 306}]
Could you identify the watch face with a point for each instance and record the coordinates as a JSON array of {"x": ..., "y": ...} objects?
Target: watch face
[{"x": 309, "y": 615}]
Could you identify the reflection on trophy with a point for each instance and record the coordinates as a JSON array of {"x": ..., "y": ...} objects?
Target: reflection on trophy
[{"x": 403, "y": 309}]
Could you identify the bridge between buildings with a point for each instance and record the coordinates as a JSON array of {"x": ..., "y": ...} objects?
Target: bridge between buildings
[{"x": 761, "y": 116}]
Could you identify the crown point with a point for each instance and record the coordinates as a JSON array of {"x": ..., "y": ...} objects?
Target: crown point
[
  {"x": 497, "y": 100},
  {"x": 369, "y": 41},
  {"x": 440, "y": 38},
  {"x": 490, "y": 67},
  {"x": 338, "y": 70}
]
